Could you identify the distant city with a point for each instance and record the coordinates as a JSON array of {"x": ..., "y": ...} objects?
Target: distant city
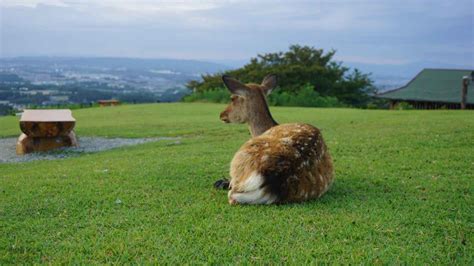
[{"x": 49, "y": 81}]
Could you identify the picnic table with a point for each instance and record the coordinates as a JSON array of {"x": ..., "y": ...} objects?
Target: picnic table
[{"x": 44, "y": 130}]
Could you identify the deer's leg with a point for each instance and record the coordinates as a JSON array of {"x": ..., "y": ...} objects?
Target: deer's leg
[{"x": 222, "y": 184}]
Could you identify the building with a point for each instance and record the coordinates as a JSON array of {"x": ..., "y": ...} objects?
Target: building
[
  {"x": 433, "y": 89},
  {"x": 104, "y": 103}
]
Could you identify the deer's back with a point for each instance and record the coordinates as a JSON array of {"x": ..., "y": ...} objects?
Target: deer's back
[{"x": 291, "y": 158}]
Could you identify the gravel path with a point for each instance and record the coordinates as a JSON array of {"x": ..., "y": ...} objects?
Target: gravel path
[{"x": 86, "y": 144}]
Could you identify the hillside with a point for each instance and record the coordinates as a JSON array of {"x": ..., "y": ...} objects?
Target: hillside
[
  {"x": 49, "y": 81},
  {"x": 111, "y": 63},
  {"x": 403, "y": 193}
]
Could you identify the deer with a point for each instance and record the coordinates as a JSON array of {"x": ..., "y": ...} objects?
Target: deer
[{"x": 287, "y": 163}]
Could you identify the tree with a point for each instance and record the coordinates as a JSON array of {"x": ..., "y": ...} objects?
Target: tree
[{"x": 296, "y": 68}]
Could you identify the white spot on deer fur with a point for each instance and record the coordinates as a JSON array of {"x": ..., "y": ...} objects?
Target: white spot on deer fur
[
  {"x": 266, "y": 144},
  {"x": 326, "y": 187},
  {"x": 246, "y": 197},
  {"x": 253, "y": 182},
  {"x": 297, "y": 154},
  {"x": 320, "y": 178},
  {"x": 311, "y": 178},
  {"x": 264, "y": 158},
  {"x": 252, "y": 197},
  {"x": 301, "y": 193},
  {"x": 269, "y": 198},
  {"x": 286, "y": 141}
]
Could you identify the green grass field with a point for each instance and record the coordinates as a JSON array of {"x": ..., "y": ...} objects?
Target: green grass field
[{"x": 403, "y": 193}]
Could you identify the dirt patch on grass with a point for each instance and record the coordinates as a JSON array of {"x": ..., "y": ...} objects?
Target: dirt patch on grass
[{"x": 86, "y": 145}]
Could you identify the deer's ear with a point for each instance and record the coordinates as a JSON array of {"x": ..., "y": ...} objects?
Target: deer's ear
[
  {"x": 269, "y": 83},
  {"x": 235, "y": 86}
]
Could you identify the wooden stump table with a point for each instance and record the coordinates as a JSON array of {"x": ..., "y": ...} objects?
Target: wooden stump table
[{"x": 44, "y": 130}]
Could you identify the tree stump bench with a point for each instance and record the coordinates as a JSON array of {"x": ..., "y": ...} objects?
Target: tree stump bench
[{"x": 44, "y": 130}]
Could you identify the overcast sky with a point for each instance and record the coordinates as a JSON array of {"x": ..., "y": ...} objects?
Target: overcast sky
[{"x": 364, "y": 31}]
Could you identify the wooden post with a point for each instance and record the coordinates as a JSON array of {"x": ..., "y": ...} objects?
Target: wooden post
[
  {"x": 465, "y": 83},
  {"x": 392, "y": 104}
]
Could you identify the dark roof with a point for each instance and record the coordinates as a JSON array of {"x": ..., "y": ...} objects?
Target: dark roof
[{"x": 434, "y": 85}]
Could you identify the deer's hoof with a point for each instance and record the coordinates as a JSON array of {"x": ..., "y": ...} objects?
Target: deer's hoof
[{"x": 222, "y": 184}]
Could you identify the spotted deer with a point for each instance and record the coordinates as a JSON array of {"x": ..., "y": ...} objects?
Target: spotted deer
[{"x": 280, "y": 163}]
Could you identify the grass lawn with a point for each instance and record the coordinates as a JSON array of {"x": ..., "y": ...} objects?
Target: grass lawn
[{"x": 403, "y": 193}]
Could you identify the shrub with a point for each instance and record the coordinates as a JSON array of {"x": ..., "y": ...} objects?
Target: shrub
[
  {"x": 305, "y": 96},
  {"x": 219, "y": 95},
  {"x": 377, "y": 103},
  {"x": 6, "y": 110},
  {"x": 372, "y": 106},
  {"x": 403, "y": 106}
]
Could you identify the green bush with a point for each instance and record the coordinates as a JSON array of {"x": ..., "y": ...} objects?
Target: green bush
[
  {"x": 377, "y": 103},
  {"x": 372, "y": 106},
  {"x": 305, "y": 96},
  {"x": 403, "y": 106},
  {"x": 219, "y": 95},
  {"x": 6, "y": 110}
]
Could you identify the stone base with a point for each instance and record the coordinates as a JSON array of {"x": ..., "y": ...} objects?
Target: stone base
[{"x": 26, "y": 144}]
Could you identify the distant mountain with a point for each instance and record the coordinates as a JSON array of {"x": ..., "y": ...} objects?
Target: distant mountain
[
  {"x": 232, "y": 63},
  {"x": 112, "y": 63},
  {"x": 47, "y": 81},
  {"x": 404, "y": 70}
]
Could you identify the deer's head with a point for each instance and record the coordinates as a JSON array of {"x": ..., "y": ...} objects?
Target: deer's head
[{"x": 247, "y": 99}]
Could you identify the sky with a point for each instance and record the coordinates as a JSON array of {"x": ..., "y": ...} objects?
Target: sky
[{"x": 381, "y": 32}]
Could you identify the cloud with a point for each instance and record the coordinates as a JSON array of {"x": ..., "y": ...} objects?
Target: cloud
[
  {"x": 141, "y": 6},
  {"x": 363, "y": 30},
  {"x": 30, "y": 3}
]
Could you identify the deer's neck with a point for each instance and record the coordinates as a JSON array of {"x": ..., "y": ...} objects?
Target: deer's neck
[{"x": 260, "y": 121}]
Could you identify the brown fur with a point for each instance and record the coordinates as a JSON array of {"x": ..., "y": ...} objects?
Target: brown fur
[
  {"x": 292, "y": 156},
  {"x": 291, "y": 160}
]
